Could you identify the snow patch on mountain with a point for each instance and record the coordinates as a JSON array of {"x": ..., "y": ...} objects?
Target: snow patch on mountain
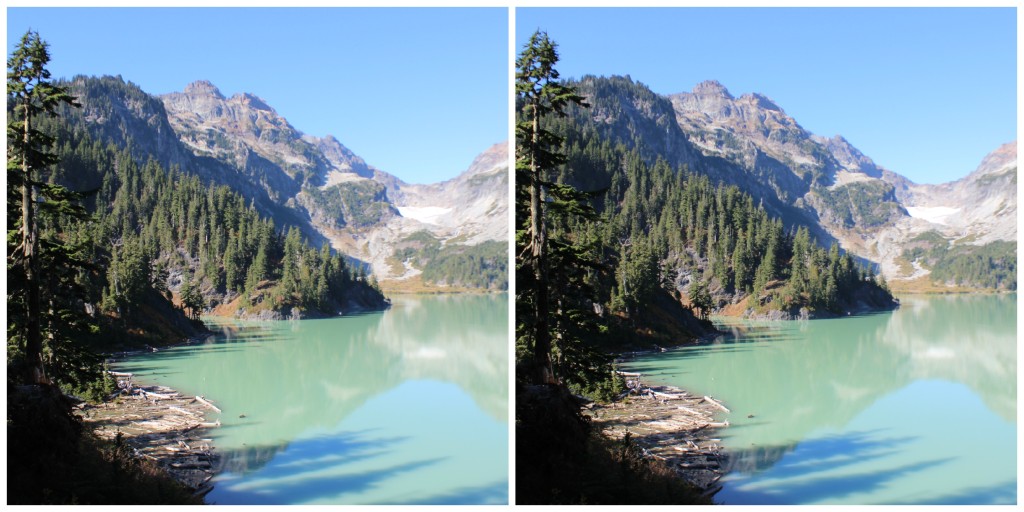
[
  {"x": 933, "y": 214},
  {"x": 424, "y": 214}
]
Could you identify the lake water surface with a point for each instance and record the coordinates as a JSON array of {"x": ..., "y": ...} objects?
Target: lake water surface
[
  {"x": 405, "y": 406},
  {"x": 916, "y": 406}
]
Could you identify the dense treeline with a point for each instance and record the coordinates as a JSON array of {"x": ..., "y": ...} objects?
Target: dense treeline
[
  {"x": 992, "y": 265},
  {"x": 483, "y": 266},
  {"x": 161, "y": 228}
]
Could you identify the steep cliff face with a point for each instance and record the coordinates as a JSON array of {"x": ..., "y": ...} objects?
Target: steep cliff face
[
  {"x": 704, "y": 131},
  {"x": 120, "y": 113},
  {"x": 246, "y": 133}
]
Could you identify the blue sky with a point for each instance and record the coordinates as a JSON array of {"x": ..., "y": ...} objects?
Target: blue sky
[
  {"x": 925, "y": 92},
  {"x": 417, "y": 93}
]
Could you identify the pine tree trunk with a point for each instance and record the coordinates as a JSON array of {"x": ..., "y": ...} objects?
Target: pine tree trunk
[
  {"x": 542, "y": 334},
  {"x": 33, "y": 341}
]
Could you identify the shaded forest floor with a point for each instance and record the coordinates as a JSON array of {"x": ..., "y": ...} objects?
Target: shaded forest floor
[
  {"x": 563, "y": 458},
  {"x": 53, "y": 459}
]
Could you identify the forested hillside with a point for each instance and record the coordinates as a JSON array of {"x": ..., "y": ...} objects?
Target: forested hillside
[
  {"x": 167, "y": 230},
  {"x": 993, "y": 265},
  {"x": 671, "y": 229}
]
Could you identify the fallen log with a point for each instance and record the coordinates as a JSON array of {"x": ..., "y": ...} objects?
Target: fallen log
[
  {"x": 667, "y": 395},
  {"x": 203, "y": 490},
  {"x": 208, "y": 404},
  {"x": 199, "y": 464},
  {"x": 714, "y": 402},
  {"x": 183, "y": 411},
  {"x": 691, "y": 411},
  {"x": 161, "y": 396}
]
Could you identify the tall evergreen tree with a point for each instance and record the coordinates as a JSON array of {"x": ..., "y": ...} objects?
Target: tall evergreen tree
[
  {"x": 539, "y": 94},
  {"x": 31, "y": 95}
]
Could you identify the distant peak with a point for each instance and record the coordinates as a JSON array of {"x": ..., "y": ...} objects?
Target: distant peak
[
  {"x": 839, "y": 139},
  {"x": 712, "y": 88},
  {"x": 203, "y": 87},
  {"x": 762, "y": 101},
  {"x": 1002, "y": 158},
  {"x": 254, "y": 101}
]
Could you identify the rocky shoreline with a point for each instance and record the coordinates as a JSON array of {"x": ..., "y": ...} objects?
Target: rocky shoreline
[{"x": 669, "y": 425}]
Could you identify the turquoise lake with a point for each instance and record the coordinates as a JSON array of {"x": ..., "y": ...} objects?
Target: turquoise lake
[
  {"x": 409, "y": 405},
  {"x": 915, "y": 406}
]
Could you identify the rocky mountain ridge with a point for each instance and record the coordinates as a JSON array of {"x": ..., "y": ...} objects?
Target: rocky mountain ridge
[
  {"x": 363, "y": 211},
  {"x": 315, "y": 183},
  {"x": 824, "y": 183}
]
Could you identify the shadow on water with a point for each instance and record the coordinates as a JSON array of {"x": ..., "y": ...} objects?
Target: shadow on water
[
  {"x": 324, "y": 487},
  {"x": 308, "y": 470},
  {"x": 491, "y": 494},
  {"x": 874, "y": 379},
  {"x": 818, "y": 455},
  {"x": 793, "y": 478},
  {"x": 995, "y": 494},
  {"x": 315, "y": 453},
  {"x": 834, "y": 487}
]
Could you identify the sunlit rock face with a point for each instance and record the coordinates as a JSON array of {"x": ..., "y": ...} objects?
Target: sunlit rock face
[{"x": 332, "y": 193}]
